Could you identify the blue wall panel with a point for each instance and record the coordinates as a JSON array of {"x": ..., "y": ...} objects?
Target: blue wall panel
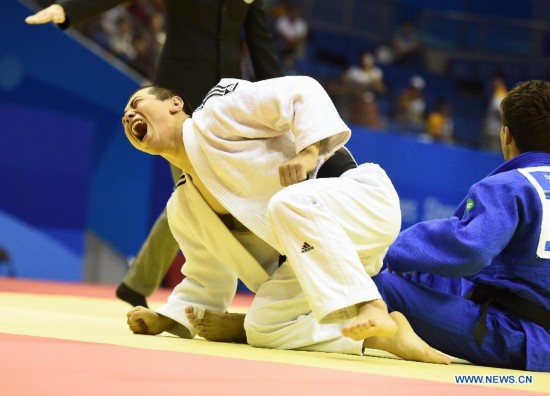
[
  {"x": 430, "y": 178},
  {"x": 42, "y": 181},
  {"x": 65, "y": 164},
  {"x": 35, "y": 255}
]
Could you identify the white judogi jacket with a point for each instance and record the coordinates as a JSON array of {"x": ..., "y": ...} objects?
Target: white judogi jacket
[
  {"x": 236, "y": 141},
  {"x": 243, "y": 131}
]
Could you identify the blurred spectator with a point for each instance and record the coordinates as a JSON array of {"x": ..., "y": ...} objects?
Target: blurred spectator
[
  {"x": 367, "y": 76},
  {"x": 439, "y": 123},
  {"x": 145, "y": 59},
  {"x": 94, "y": 30},
  {"x": 364, "y": 83},
  {"x": 141, "y": 10},
  {"x": 122, "y": 40},
  {"x": 292, "y": 32},
  {"x": 384, "y": 55},
  {"x": 406, "y": 44},
  {"x": 492, "y": 122},
  {"x": 109, "y": 20},
  {"x": 156, "y": 25},
  {"x": 134, "y": 33},
  {"x": 277, "y": 8},
  {"x": 411, "y": 106}
]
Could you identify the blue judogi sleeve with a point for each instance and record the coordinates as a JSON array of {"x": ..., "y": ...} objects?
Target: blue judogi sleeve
[{"x": 464, "y": 244}]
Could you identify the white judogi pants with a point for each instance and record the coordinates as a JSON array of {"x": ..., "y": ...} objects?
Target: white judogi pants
[{"x": 334, "y": 233}]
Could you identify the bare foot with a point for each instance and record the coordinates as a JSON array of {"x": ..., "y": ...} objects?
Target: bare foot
[
  {"x": 372, "y": 320},
  {"x": 214, "y": 326},
  {"x": 406, "y": 343}
]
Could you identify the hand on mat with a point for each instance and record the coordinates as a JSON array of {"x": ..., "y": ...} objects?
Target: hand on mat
[
  {"x": 54, "y": 13},
  {"x": 146, "y": 321}
]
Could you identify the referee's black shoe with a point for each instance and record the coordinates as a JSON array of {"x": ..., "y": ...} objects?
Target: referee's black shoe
[{"x": 132, "y": 297}]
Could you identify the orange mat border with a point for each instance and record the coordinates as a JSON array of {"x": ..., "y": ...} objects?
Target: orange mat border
[{"x": 52, "y": 367}]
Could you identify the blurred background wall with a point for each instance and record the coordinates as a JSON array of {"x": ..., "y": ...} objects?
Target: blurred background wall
[{"x": 76, "y": 200}]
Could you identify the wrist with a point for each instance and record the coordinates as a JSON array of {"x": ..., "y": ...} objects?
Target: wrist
[{"x": 59, "y": 13}]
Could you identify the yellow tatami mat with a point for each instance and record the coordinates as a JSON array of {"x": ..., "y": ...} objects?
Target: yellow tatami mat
[{"x": 100, "y": 323}]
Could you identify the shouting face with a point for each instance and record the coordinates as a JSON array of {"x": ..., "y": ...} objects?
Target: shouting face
[{"x": 149, "y": 123}]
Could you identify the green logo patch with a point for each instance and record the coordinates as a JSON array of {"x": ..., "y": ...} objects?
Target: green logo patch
[{"x": 469, "y": 205}]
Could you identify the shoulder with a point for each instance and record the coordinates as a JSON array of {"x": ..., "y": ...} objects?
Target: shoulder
[
  {"x": 224, "y": 87},
  {"x": 510, "y": 183}
]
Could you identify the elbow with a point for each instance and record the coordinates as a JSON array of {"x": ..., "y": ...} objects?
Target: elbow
[{"x": 472, "y": 263}]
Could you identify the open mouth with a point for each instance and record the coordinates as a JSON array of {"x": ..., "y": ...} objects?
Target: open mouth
[{"x": 139, "y": 129}]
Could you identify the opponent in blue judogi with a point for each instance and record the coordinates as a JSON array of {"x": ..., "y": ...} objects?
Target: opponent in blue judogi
[{"x": 477, "y": 285}]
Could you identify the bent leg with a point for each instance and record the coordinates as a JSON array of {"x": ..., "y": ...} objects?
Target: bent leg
[
  {"x": 446, "y": 322},
  {"x": 280, "y": 318},
  {"x": 334, "y": 232}
]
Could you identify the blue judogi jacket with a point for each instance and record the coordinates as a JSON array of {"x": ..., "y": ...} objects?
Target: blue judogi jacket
[{"x": 499, "y": 236}]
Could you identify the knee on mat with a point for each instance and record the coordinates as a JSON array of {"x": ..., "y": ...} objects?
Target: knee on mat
[
  {"x": 262, "y": 332},
  {"x": 254, "y": 335}
]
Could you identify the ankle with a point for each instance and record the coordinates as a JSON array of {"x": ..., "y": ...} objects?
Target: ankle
[{"x": 373, "y": 304}]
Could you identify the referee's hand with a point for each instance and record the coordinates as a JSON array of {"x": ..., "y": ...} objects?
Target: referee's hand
[{"x": 54, "y": 13}]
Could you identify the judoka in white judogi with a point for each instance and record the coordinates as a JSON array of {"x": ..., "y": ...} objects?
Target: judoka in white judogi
[{"x": 333, "y": 231}]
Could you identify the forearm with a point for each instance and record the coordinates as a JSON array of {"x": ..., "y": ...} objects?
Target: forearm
[
  {"x": 310, "y": 153},
  {"x": 440, "y": 247}
]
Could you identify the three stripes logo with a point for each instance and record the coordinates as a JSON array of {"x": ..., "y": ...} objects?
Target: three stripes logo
[
  {"x": 218, "y": 90},
  {"x": 306, "y": 247},
  {"x": 181, "y": 181}
]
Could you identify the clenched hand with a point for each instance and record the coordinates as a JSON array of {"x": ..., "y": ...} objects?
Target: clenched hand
[
  {"x": 143, "y": 320},
  {"x": 296, "y": 170}
]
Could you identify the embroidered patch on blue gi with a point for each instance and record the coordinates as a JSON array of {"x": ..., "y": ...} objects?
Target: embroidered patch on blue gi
[{"x": 469, "y": 204}]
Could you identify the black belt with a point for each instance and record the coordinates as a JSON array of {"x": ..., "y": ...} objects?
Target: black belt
[
  {"x": 336, "y": 165},
  {"x": 487, "y": 295},
  {"x": 340, "y": 162}
]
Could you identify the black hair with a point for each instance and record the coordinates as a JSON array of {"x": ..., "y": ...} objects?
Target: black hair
[
  {"x": 163, "y": 93},
  {"x": 526, "y": 113}
]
